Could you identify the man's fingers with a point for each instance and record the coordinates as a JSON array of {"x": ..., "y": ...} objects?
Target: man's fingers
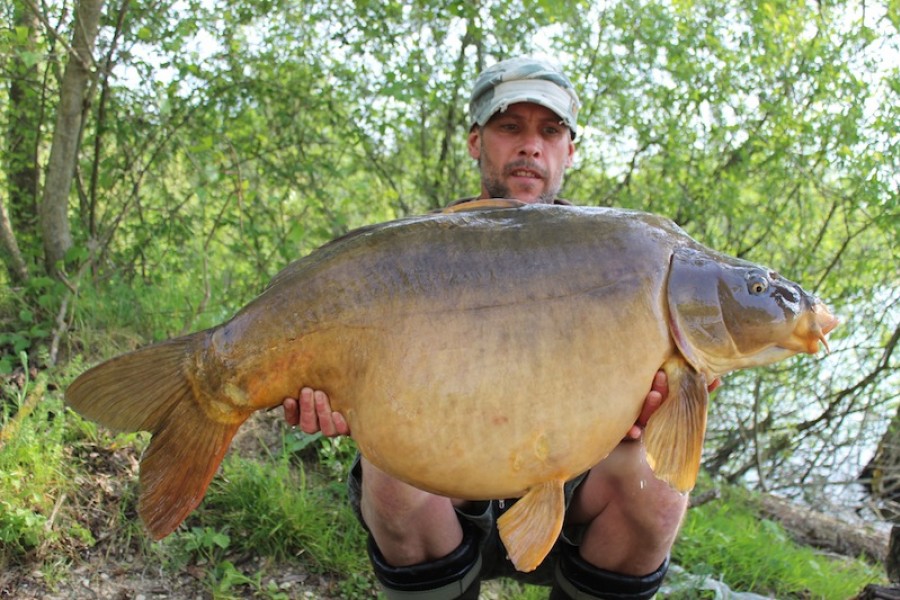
[
  {"x": 312, "y": 412},
  {"x": 634, "y": 433},
  {"x": 660, "y": 383},
  {"x": 291, "y": 411},
  {"x": 323, "y": 413},
  {"x": 653, "y": 401},
  {"x": 340, "y": 425},
  {"x": 309, "y": 421}
]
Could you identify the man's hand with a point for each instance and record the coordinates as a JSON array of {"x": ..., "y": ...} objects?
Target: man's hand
[
  {"x": 659, "y": 390},
  {"x": 312, "y": 412}
]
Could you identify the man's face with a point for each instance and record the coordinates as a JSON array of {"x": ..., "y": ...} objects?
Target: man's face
[{"x": 523, "y": 153}]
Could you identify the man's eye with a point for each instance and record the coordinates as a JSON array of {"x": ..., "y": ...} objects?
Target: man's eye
[{"x": 556, "y": 129}]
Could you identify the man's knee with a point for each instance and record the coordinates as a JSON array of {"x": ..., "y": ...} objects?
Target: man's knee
[
  {"x": 407, "y": 524},
  {"x": 395, "y": 504},
  {"x": 624, "y": 486},
  {"x": 630, "y": 518},
  {"x": 451, "y": 577},
  {"x": 660, "y": 517}
]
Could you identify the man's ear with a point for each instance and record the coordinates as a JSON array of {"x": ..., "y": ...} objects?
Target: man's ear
[
  {"x": 570, "y": 161},
  {"x": 474, "y": 142}
]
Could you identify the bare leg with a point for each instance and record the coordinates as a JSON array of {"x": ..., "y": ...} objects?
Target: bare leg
[
  {"x": 409, "y": 526},
  {"x": 632, "y": 517}
]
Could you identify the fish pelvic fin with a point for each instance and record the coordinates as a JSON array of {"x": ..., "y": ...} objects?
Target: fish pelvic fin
[
  {"x": 530, "y": 527},
  {"x": 148, "y": 390},
  {"x": 674, "y": 435}
]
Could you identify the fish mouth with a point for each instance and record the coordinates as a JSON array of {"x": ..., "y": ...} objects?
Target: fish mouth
[{"x": 811, "y": 330}]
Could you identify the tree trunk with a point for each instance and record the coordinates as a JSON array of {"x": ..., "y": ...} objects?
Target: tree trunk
[
  {"x": 812, "y": 528},
  {"x": 54, "y": 217},
  {"x": 879, "y": 592},
  {"x": 15, "y": 264},
  {"x": 23, "y": 130},
  {"x": 881, "y": 476}
]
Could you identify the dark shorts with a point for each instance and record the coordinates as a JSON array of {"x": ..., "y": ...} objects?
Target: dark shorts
[{"x": 483, "y": 515}]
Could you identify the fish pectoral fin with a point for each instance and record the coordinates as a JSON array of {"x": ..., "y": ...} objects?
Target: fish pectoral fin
[
  {"x": 674, "y": 435},
  {"x": 530, "y": 527},
  {"x": 483, "y": 205}
]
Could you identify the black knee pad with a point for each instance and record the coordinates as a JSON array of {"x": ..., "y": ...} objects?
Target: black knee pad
[
  {"x": 453, "y": 577},
  {"x": 577, "y": 579}
]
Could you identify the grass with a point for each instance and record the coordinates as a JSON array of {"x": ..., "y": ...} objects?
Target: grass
[
  {"x": 67, "y": 487},
  {"x": 726, "y": 539},
  {"x": 35, "y": 480},
  {"x": 271, "y": 509}
]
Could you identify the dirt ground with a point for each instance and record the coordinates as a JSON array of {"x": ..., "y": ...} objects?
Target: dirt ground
[
  {"x": 114, "y": 568},
  {"x": 103, "y": 579}
]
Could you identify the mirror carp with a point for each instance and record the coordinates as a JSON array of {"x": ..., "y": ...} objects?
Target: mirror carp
[{"x": 493, "y": 350}]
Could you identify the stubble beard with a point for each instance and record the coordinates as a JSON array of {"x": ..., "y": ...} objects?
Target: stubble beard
[{"x": 495, "y": 186}]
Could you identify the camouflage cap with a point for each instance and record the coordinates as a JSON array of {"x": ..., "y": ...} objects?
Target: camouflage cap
[{"x": 523, "y": 79}]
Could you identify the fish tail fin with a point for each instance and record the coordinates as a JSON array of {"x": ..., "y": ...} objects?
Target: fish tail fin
[
  {"x": 148, "y": 390},
  {"x": 674, "y": 435},
  {"x": 530, "y": 527},
  {"x": 177, "y": 467}
]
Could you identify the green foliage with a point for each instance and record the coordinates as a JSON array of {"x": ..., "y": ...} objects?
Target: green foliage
[
  {"x": 27, "y": 317},
  {"x": 726, "y": 539},
  {"x": 269, "y": 509},
  {"x": 335, "y": 455},
  {"x": 206, "y": 543},
  {"x": 36, "y": 475}
]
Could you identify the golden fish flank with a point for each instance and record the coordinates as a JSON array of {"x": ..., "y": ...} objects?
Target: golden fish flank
[
  {"x": 541, "y": 448},
  {"x": 415, "y": 326}
]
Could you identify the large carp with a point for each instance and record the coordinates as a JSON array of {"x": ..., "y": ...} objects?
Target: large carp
[{"x": 494, "y": 351}]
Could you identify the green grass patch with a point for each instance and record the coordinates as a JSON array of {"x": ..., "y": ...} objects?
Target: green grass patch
[
  {"x": 726, "y": 540},
  {"x": 272, "y": 508},
  {"x": 36, "y": 480}
]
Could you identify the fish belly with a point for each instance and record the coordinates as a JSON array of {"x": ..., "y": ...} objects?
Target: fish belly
[{"x": 488, "y": 405}]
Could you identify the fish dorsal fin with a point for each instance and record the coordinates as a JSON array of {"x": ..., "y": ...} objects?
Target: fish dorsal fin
[
  {"x": 674, "y": 435},
  {"x": 530, "y": 527},
  {"x": 483, "y": 204}
]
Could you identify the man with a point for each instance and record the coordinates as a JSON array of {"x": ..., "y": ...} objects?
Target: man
[{"x": 620, "y": 520}]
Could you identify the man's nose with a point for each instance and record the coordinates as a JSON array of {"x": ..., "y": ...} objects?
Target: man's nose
[{"x": 531, "y": 145}]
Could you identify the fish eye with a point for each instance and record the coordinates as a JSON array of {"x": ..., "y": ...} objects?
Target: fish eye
[{"x": 757, "y": 284}]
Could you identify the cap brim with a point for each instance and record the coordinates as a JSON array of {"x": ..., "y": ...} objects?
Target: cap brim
[{"x": 533, "y": 91}]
